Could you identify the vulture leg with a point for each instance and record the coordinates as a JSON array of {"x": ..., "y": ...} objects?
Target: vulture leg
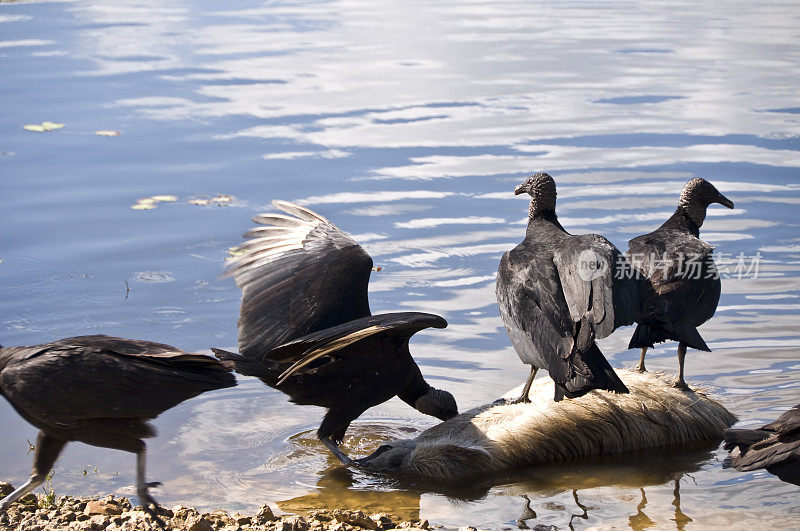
[
  {"x": 340, "y": 455},
  {"x": 148, "y": 503},
  {"x": 640, "y": 367},
  {"x": 681, "y": 384},
  {"x": 523, "y": 398},
  {"x": 47, "y": 450}
]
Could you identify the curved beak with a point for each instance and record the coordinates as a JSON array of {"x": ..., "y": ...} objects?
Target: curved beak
[
  {"x": 724, "y": 201},
  {"x": 521, "y": 189}
]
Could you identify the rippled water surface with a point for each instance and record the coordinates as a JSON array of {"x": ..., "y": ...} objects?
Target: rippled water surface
[{"x": 407, "y": 124}]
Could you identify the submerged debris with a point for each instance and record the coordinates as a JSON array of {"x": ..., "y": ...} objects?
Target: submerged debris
[{"x": 117, "y": 514}]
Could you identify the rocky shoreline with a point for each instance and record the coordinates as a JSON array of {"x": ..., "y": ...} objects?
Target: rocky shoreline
[{"x": 38, "y": 513}]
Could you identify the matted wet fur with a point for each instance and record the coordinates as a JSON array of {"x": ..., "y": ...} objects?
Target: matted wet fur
[{"x": 495, "y": 438}]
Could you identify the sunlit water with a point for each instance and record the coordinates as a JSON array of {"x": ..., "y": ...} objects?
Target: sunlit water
[{"x": 408, "y": 124}]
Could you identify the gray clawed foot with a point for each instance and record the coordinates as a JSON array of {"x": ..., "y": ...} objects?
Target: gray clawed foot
[
  {"x": 639, "y": 369},
  {"x": 149, "y": 505},
  {"x": 681, "y": 385}
]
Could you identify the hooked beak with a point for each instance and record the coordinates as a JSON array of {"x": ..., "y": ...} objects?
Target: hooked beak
[
  {"x": 724, "y": 201},
  {"x": 521, "y": 189}
]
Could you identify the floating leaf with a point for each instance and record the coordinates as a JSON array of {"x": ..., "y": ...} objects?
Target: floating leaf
[
  {"x": 149, "y": 203},
  {"x": 42, "y": 127},
  {"x": 200, "y": 202},
  {"x": 221, "y": 198},
  {"x": 106, "y": 132}
]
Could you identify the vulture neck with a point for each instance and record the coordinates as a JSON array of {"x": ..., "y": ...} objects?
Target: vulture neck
[
  {"x": 685, "y": 221},
  {"x": 539, "y": 217}
]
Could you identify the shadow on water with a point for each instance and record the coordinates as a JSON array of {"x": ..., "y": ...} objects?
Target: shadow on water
[{"x": 347, "y": 489}]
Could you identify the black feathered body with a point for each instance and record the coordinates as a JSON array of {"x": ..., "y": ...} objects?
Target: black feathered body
[
  {"x": 347, "y": 379},
  {"x": 102, "y": 390},
  {"x": 775, "y": 446},
  {"x": 553, "y": 316},
  {"x": 685, "y": 284},
  {"x": 305, "y": 326}
]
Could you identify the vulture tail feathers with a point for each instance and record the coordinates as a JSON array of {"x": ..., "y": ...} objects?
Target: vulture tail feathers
[{"x": 647, "y": 336}]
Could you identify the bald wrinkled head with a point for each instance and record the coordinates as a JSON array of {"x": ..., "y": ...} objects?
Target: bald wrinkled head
[
  {"x": 542, "y": 189},
  {"x": 697, "y": 195}
]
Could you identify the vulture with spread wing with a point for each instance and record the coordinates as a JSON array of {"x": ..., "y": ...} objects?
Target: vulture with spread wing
[
  {"x": 100, "y": 390},
  {"x": 557, "y": 292},
  {"x": 685, "y": 284},
  {"x": 305, "y": 327}
]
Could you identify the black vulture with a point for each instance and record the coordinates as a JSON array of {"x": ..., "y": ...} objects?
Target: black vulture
[
  {"x": 683, "y": 276},
  {"x": 775, "y": 446},
  {"x": 305, "y": 326},
  {"x": 557, "y": 292},
  {"x": 100, "y": 390}
]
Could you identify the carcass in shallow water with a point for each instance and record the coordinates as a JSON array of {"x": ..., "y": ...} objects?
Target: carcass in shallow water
[{"x": 497, "y": 438}]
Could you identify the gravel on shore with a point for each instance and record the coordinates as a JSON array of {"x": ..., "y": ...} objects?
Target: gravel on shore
[{"x": 38, "y": 513}]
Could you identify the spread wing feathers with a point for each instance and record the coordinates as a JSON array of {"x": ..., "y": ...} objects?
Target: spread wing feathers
[
  {"x": 771, "y": 451},
  {"x": 534, "y": 312},
  {"x": 331, "y": 341},
  {"x": 664, "y": 256},
  {"x": 787, "y": 423},
  {"x": 298, "y": 274},
  {"x": 94, "y": 377},
  {"x": 772, "y": 444},
  {"x": 608, "y": 298}
]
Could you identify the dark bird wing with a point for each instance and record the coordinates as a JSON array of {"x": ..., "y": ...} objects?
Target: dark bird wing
[
  {"x": 94, "y": 377},
  {"x": 332, "y": 341},
  {"x": 610, "y": 298},
  {"x": 661, "y": 255},
  {"x": 771, "y": 445},
  {"x": 532, "y": 306},
  {"x": 298, "y": 274}
]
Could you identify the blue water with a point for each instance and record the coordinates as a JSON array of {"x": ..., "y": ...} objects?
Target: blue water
[{"x": 408, "y": 125}]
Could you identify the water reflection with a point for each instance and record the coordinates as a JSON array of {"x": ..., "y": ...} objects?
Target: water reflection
[{"x": 338, "y": 487}]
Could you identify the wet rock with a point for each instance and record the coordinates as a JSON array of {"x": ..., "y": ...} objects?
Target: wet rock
[
  {"x": 355, "y": 518},
  {"x": 294, "y": 523}
]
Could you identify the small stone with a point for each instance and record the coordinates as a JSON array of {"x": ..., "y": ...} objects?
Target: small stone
[
  {"x": 5, "y": 489},
  {"x": 101, "y": 507},
  {"x": 182, "y": 512},
  {"x": 322, "y": 515},
  {"x": 241, "y": 519},
  {"x": 264, "y": 515},
  {"x": 383, "y": 521},
  {"x": 356, "y": 518},
  {"x": 198, "y": 523},
  {"x": 294, "y": 523}
]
